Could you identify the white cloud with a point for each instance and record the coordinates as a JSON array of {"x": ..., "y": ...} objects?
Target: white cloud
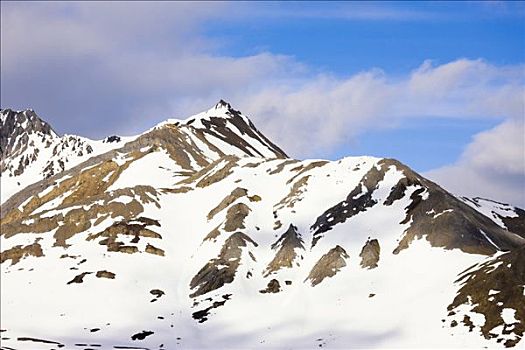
[
  {"x": 326, "y": 111},
  {"x": 492, "y": 166},
  {"x": 104, "y": 68}
]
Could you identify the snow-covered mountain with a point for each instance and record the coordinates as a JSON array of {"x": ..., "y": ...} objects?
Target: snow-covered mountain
[
  {"x": 202, "y": 233},
  {"x": 31, "y": 150}
]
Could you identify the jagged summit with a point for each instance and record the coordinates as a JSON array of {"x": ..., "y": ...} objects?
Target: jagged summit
[
  {"x": 31, "y": 150},
  {"x": 221, "y": 109},
  {"x": 223, "y": 104},
  {"x": 222, "y": 126},
  {"x": 13, "y": 124}
]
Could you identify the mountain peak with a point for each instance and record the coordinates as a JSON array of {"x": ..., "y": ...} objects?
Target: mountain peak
[
  {"x": 223, "y": 104},
  {"x": 21, "y": 120},
  {"x": 16, "y": 126},
  {"x": 227, "y": 126}
]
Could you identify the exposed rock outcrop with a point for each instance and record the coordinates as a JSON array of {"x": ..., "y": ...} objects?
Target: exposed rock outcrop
[
  {"x": 273, "y": 287},
  {"x": 222, "y": 269},
  {"x": 328, "y": 265},
  {"x": 287, "y": 245},
  {"x": 359, "y": 200},
  {"x": 19, "y": 252},
  {"x": 490, "y": 288},
  {"x": 227, "y": 201},
  {"x": 105, "y": 274},
  {"x": 370, "y": 254}
]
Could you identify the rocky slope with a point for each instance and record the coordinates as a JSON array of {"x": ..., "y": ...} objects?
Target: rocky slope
[
  {"x": 202, "y": 233},
  {"x": 31, "y": 150}
]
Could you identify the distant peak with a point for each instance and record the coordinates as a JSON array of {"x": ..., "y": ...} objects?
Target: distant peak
[
  {"x": 23, "y": 121},
  {"x": 223, "y": 104}
]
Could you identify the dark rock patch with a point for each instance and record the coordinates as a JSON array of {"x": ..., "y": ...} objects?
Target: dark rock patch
[
  {"x": 17, "y": 253},
  {"x": 328, "y": 265},
  {"x": 148, "y": 221},
  {"x": 112, "y": 138},
  {"x": 141, "y": 335},
  {"x": 154, "y": 250},
  {"x": 79, "y": 278},
  {"x": 357, "y": 201},
  {"x": 202, "y": 315},
  {"x": 235, "y": 217},
  {"x": 505, "y": 274},
  {"x": 370, "y": 254},
  {"x": 37, "y": 340},
  {"x": 301, "y": 169},
  {"x": 227, "y": 201},
  {"x": 110, "y": 235},
  {"x": 222, "y": 269},
  {"x": 105, "y": 274},
  {"x": 212, "y": 236},
  {"x": 515, "y": 224},
  {"x": 273, "y": 287},
  {"x": 287, "y": 243},
  {"x": 218, "y": 127},
  {"x": 444, "y": 220},
  {"x": 157, "y": 292}
]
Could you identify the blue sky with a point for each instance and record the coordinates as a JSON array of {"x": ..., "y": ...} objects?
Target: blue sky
[
  {"x": 412, "y": 33},
  {"x": 437, "y": 85}
]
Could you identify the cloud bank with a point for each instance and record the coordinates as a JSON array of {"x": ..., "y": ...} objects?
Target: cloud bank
[{"x": 93, "y": 68}]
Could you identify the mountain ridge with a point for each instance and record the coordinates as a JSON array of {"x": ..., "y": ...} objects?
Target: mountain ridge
[{"x": 217, "y": 223}]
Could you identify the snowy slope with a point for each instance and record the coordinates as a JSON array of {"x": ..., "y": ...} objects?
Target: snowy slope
[{"x": 166, "y": 242}]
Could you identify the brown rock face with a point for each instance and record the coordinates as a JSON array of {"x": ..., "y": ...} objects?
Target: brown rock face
[
  {"x": 105, "y": 274},
  {"x": 287, "y": 244},
  {"x": 273, "y": 287},
  {"x": 433, "y": 213},
  {"x": 18, "y": 252},
  {"x": 235, "y": 217},
  {"x": 490, "y": 287},
  {"x": 515, "y": 224},
  {"x": 222, "y": 269},
  {"x": 110, "y": 236},
  {"x": 154, "y": 250},
  {"x": 227, "y": 201},
  {"x": 370, "y": 254},
  {"x": 328, "y": 265}
]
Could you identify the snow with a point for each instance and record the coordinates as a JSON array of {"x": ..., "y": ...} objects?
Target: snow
[
  {"x": 491, "y": 209},
  {"x": 11, "y": 184},
  {"x": 508, "y": 316},
  {"x": 488, "y": 239},
  {"x": 411, "y": 294},
  {"x": 443, "y": 212},
  {"x": 349, "y": 315}
]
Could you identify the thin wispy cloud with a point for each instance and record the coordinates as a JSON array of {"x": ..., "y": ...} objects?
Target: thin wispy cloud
[{"x": 378, "y": 10}]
